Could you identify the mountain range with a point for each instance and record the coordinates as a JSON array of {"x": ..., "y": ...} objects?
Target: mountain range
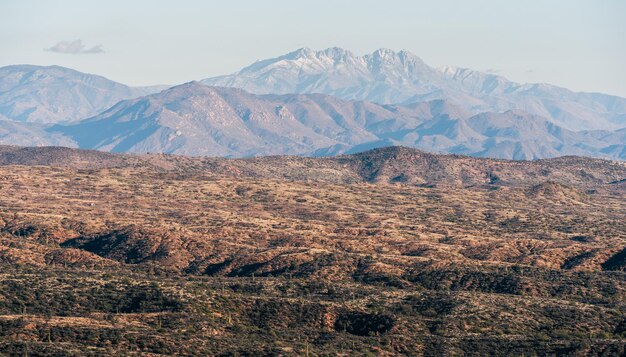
[
  {"x": 56, "y": 94},
  {"x": 314, "y": 103},
  {"x": 194, "y": 119},
  {"x": 389, "y": 77}
]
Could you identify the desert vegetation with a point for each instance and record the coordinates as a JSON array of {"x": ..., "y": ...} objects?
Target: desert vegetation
[{"x": 389, "y": 252}]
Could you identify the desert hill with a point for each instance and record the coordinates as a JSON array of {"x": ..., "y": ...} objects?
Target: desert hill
[
  {"x": 387, "y": 165},
  {"x": 392, "y": 251}
]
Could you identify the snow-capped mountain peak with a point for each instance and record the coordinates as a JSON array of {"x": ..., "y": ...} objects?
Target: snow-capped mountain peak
[{"x": 386, "y": 76}]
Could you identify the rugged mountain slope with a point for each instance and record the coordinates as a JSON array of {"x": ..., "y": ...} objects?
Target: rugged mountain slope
[
  {"x": 198, "y": 120},
  {"x": 379, "y": 77},
  {"x": 193, "y": 119},
  {"x": 387, "y": 77},
  {"x": 56, "y": 94}
]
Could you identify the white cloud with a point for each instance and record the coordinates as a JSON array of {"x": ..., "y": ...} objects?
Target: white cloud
[{"x": 74, "y": 47}]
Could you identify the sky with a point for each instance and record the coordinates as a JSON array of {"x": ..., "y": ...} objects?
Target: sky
[{"x": 580, "y": 45}]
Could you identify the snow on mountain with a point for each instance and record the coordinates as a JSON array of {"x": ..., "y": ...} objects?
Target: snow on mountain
[
  {"x": 194, "y": 119},
  {"x": 312, "y": 103},
  {"x": 389, "y": 77}
]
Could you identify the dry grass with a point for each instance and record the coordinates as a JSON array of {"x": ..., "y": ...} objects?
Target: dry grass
[{"x": 227, "y": 249}]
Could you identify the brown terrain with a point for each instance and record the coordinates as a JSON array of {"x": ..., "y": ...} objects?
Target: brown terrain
[{"x": 388, "y": 252}]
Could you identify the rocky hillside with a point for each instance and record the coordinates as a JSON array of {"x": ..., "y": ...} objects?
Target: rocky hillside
[
  {"x": 334, "y": 111},
  {"x": 384, "y": 165},
  {"x": 193, "y": 119}
]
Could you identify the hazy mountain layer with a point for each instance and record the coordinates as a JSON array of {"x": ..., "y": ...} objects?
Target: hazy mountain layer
[
  {"x": 195, "y": 119},
  {"x": 388, "y": 77},
  {"x": 56, "y": 94},
  {"x": 30, "y": 134}
]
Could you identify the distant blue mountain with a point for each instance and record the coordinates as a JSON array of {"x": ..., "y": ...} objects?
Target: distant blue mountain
[
  {"x": 56, "y": 94},
  {"x": 315, "y": 103},
  {"x": 194, "y": 119},
  {"x": 389, "y": 77}
]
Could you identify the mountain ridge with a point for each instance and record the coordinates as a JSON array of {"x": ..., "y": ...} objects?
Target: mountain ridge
[
  {"x": 387, "y": 77},
  {"x": 393, "y": 165},
  {"x": 195, "y": 119},
  {"x": 53, "y": 94},
  {"x": 443, "y": 112}
]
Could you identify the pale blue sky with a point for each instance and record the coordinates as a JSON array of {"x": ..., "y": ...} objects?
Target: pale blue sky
[{"x": 580, "y": 45}]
